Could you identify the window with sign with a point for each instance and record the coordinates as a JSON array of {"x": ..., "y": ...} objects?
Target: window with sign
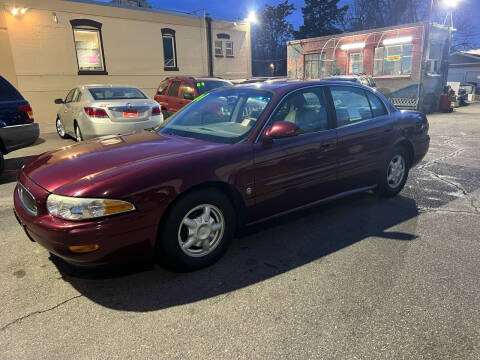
[
  {"x": 169, "y": 50},
  {"x": 87, "y": 36},
  {"x": 315, "y": 66},
  {"x": 207, "y": 85},
  {"x": 393, "y": 60}
]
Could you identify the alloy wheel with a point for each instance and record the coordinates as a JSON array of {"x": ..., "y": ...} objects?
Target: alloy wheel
[
  {"x": 201, "y": 230},
  {"x": 60, "y": 128},
  {"x": 78, "y": 134},
  {"x": 396, "y": 171}
]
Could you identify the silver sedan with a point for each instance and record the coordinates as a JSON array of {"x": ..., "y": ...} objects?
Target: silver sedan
[{"x": 96, "y": 110}]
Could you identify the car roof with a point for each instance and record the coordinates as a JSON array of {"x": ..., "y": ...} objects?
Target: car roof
[
  {"x": 288, "y": 85},
  {"x": 89, "y": 86},
  {"x": 203, "y": 78}
]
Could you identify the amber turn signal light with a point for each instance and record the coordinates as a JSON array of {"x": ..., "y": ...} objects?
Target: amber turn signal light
[{"x": 83, "y": 248}]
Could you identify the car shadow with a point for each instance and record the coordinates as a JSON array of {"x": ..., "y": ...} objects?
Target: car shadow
[
  {"x": 12, "y": 168},
  {"x": 258, "y": 253}
]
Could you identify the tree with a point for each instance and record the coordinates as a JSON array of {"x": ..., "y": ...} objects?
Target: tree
[
  {"x": 371, "y": 14},
  {"x": 269, "y": 39},
  {"x": 321, "y": 17},
  {"x": 465, "y": 36}
]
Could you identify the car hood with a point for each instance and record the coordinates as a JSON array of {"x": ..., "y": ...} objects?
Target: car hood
[{"x": 70, "y": 169}]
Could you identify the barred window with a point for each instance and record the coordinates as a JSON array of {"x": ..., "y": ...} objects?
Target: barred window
[{"x": 315, "y": 66}]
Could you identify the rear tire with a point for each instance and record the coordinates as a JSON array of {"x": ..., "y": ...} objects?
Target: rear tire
[
  {"x": 394, "y": 175},
  {"x": 192, "y": 237},
  {"x": 78, "y": 133}
]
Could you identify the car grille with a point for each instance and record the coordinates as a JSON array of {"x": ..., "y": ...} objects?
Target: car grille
[{"x": 27, "y": 200}]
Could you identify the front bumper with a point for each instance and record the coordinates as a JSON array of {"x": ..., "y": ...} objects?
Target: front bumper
[
  {"x": 19, "y": 136},
  {"x": 421, "y": 147},
  {"x": 121, "y": 238}
]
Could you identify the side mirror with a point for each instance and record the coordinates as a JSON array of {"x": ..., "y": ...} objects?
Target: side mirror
[
  {"x": 281, "y": 129},
  {"x": 59, "y": 101}
]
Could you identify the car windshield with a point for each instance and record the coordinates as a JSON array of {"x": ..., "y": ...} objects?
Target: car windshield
[
  {"x": 204, "y": 86},
  {"x": 224, "y": 116},
  {"x": 119, "y": 93}
]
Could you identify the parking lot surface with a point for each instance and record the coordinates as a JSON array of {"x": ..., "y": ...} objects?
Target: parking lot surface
[{"x": 360, "y": 278}]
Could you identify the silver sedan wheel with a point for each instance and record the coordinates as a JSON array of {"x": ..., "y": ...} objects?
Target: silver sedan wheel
[
  {"x": 60, "y": 128},
  {"x": 78, "y": 134},
  {"x": 396, "y": 171},
  {"x": 201, "y": 230}
]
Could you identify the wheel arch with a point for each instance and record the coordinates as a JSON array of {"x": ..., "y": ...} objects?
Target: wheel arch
[
  {"x": 227, "y": 189},
  {"x": 407, "y": 145}
]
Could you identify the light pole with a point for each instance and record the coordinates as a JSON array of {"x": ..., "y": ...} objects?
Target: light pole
[{"x": 449, "y": 5}]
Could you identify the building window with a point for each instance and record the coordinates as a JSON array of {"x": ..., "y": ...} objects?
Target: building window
[
  {"x": 315, "y": 66},
  {"x": 355, "y": 64},
  {"x": 87, "y": 36},
  {"x": 393, "y": 60},
  {"x": 169, "y": 50},
  {"x": 434, "y": 56},
  {"x": 229, "y": 48},
  {"x": 218, "y": 48}
]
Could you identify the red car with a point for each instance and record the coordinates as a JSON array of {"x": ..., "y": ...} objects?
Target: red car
[
  {"x": 235, "y": 157},
  {"x": 176, "y": 92}
]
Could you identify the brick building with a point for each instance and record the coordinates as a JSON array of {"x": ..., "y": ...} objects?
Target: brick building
[{"x": 407, "y": 62}]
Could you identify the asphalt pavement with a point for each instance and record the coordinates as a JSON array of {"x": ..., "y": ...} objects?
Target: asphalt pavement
[{"x": 360, "y": 278}]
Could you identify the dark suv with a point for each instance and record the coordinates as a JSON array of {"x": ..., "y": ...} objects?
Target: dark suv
[
  {"x": 173, "y": 93},
  {"x": 17, "y": 129}
]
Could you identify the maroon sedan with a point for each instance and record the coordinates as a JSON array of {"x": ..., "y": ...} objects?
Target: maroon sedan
[{"x": 235, "y": 156}]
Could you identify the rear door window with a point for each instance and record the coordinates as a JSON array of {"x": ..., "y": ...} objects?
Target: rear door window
[
  {"x": 351, "y": 105},
  {"x": 8, "y": 92},
  {"x": 187, "y": 92},
  {"x": 173, "y": 89},
  {"x": 378, "y": 108}
]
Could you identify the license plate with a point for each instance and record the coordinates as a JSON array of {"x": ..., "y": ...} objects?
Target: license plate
[{"x": 130, "y": 114}]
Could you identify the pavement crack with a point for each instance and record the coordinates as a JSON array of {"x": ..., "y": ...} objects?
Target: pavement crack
[
  {"x": 39, "y": 312},
  {"x": 430, "y": 210},
  {"x": 456, "y": 186}
]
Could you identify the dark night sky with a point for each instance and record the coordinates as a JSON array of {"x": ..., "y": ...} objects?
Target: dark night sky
[{"x": 238, "y": 9}]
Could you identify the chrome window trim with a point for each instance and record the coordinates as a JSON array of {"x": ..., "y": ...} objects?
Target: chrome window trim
[{"x": 323, "y": 86}]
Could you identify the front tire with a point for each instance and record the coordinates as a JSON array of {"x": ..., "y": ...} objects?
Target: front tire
[
  {"x": 197, "y": 231},
  {"x": 60, "y": 128},
  {"x": 78, "y": 133},
  {"x": 395, "y": 173}
]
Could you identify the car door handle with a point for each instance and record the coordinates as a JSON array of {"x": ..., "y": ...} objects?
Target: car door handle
[
  {"x": 181, "y": 103},
  {"x": 388, "y": 130},
  {"x": 326, "y": 146}
]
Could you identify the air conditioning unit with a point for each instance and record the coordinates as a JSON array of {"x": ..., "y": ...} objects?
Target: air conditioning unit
[{"x": 432, "y": 66}]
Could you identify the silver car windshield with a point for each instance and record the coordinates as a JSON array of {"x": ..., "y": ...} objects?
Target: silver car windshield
[
  {"x": 120, "y": 93},
  {"x": 224, "y": 116}
]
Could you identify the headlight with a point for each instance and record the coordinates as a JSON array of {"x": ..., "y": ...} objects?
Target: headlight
[{"x": 72, "y": 208}]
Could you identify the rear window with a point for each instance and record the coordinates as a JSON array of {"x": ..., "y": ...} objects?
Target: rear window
[
  {"x": 116, "y": 93},
  {"x": 8, "y": 92},
  {"x": 205, "y": 86}
]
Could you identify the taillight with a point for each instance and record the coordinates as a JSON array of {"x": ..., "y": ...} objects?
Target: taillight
[
  {"x": 95, "y": 112},
  {"x": 156, "y": 110},
  {"x": 27, "y": 109}
]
